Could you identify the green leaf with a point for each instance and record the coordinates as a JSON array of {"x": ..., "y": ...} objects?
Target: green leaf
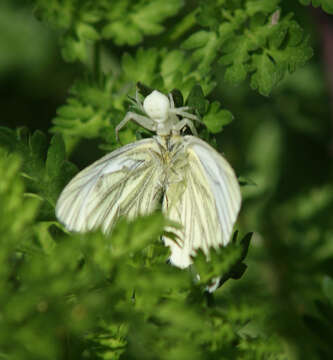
[
  {"x": 138, "y": 235},
  {"x": 87, "y": 32},
  {"x": 267, "y": 74},
  {"x": 237, "y": 57},
  {"x": 55, "y": 156},
  {"x": 216, "y": 118},
  {"x": 248, "y": 40},
  {"x": 198, "y": 39},
  {"x": 122, "y": 33},
  {"x": 142, "y": 67},
  {"x": 42, "y": 231},
  {"x": 73, "y": 49},
  {"x": 196, "y": 100},
  {"x": 209, "y": 11},
  {"x": 16, "y": 212},
  {"x": 176, "y": 71},
  {"x": 16, "y": 216},
  {"x": 45, "y": 175},
  {"x": 38, "y": 142},
  {"x": 89, "y": 110},
  {"x": 263, "y": 6},
  {"x": 123, "y": 21},
  {"x": 224, "y": 263},
  {"x": 128, "y": 22},
  {"x": 206, "y": 45}
]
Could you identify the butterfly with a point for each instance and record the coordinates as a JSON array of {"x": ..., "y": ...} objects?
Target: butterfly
[{"x": 192, "y": 183}]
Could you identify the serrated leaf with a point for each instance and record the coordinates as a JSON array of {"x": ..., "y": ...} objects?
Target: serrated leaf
[
  {"x": 266, "y": 75},
  {"x": 248, "y": 49},
  {"x": 175, "y": 70},
  {"x": 44, "y": 237},
  {"x": 207, "y": 46},
  {"x": 235, "y": 73},
  {"x": 146, "y": 229},
  {"x": 172, "y": 61},
  {"x": 129, "y": 22},
  {"x": 237, "y": 56},
  {"x": 87, "y": 31},
  {"x": 263, "y": 6},
  {"x": 55, "y": 155},
  {"x": 209, "y": 11},
  {"x": 75, "y": 111},
  {"x": 122, "y": 33},
  {"x": 141, "y": 67},
  {"x": 293, "y": 56},
  {"x": 196, "y": 40},
  {"x": 38, "y": 143},
  {"x": 73, "y": 49},
  {"x": 90, "y": 108},
  {"x": 216, "y": 118}
]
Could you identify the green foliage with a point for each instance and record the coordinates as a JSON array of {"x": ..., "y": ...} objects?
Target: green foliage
[
  {"x": 216, "y": 118},
  {"x": 90, "y": 112},
  {"x": 128, "y": 22},
  {"x": 326, "y": 5},
  {"x": 225, "y": 263},
  {"x": 95, "y": 108},
  {"x": 249, "y": 40},
  {"x": 95, "y": 296},
  {"x": 45, "y": 171},
  {"x": 85, "y": 22}
]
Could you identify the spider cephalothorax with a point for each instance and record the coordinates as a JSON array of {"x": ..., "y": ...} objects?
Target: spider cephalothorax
[{"x": 161, "y": 115}]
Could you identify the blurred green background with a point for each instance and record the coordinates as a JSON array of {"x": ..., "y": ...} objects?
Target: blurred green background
[{"x": 282, "y": 143}]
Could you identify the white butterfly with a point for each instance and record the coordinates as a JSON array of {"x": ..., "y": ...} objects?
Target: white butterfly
[{"x": 196, "y": 185}]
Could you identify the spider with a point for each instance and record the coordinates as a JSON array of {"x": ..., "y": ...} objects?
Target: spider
[{"x": 161, "y": 115}]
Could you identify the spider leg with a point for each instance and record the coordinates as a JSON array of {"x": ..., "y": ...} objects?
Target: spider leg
[
  {"x": 180, "y": 111},
  {"x": 182, "y": 108},
  {"x": 172, "y": 103},
  {"x": 185, "y": 122},
  {"x": 143, "y": 121}
]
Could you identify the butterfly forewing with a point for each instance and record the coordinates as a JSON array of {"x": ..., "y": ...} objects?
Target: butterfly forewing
[
  {"x": 126, "y": 182},
  {"x": 204, "y": 197}
]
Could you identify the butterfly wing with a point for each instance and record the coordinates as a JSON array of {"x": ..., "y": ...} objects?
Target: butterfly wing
[
  {"x": 126, "y": 182},
  {"x": 205, "y": 199}
]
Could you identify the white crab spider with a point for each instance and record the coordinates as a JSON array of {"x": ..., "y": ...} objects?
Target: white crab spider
[
  {"x": 161, "y": 115},
  {"x": 190, "y": 180}
]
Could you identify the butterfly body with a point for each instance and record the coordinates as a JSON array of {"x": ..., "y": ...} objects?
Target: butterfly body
[{"x": 192, "y": 183}]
